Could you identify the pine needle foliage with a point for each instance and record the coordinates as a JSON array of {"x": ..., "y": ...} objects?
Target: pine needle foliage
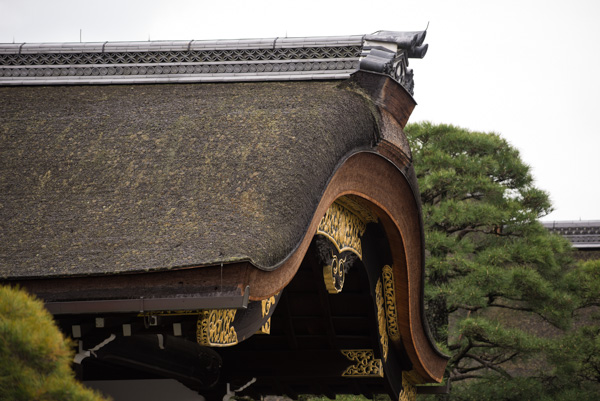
[
  {"x": 35, "y": 357},
  {"x": 487, "y": 255}
]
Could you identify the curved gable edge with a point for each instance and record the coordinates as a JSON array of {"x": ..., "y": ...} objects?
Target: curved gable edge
[
  {"x": 385, "y": 178},
  {"x": 378, "y": 181}
]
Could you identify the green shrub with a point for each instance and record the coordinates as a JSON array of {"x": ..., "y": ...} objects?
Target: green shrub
[{"x": 35, "y": 357}]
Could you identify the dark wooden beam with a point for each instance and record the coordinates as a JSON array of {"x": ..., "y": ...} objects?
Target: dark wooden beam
[
  {"x": 317, "y": 269},
  {"x": 288, "y": 325},
  {"x": 215, "y": 281},
  {"x": 300, "y": 364}
]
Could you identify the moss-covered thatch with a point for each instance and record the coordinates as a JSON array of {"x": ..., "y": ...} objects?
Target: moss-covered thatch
[{"x": 109, "y": 179}]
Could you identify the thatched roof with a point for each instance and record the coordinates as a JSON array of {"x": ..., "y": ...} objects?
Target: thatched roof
[
  {"x": 207, "y": 154},
  {"x": 110, "y": 179}
]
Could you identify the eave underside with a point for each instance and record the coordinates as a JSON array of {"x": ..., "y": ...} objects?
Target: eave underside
[{"x": 303, "y": 352}]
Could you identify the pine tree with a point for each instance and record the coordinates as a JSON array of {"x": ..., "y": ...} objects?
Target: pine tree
[
  {"x": 35, "y": 358},
  {"x": 494, "y": 274}
]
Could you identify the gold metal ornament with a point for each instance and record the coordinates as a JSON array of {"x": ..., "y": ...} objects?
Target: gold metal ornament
[
  {"x": 265, "y": 328},
  {"x": 390, "y": 303},
  {"x": 381, "y": 318},
  {"x": 366, "y": 364},
  {"x": 266, "y": 308},
  {"x": 408, "y": 392},
  {"x": 215, "y": 328},
  {"x": 266, "y": 305},
  {"x": 334, "y": 275},
  {"x": 343, "y": 228}
]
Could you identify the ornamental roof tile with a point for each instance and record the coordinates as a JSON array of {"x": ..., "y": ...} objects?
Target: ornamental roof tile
[{"x": 239, "y": 60}]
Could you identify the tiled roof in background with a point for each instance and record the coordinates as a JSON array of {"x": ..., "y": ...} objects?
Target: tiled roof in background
[{"x": 582, "y": 234}]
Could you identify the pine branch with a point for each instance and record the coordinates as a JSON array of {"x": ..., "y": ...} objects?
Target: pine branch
[
  {"x": 509, "y": 358},
  {"x": 586, "y": 305},
  {"x": 464, "y": 377},
  {"x": 476, "y": 196},
  {"x": 518, "y": 308},
  {"x": 524, "y": 309},
  {"x": 489, "y": 365},
  {"x": 456, "y": 358}
]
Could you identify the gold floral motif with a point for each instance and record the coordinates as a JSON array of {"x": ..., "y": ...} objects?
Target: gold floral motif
[
  {"x": 215, "y": 328},
  {"x": 408, "y": 392},
  {"x": 366, "y": 365},
  {"x": 265, "y": 328},
  {"x": 343, "y": 228},
  {"x": 266, "y": 305},
  {"x": 266, "y": 308},
  {"x": 334, "y": 275},
  {"x": 383, "y": 336},
  {"x": 390, "y": 303}
]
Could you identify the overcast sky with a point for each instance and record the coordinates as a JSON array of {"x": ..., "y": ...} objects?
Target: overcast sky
[{"x": 528, "y": 70}]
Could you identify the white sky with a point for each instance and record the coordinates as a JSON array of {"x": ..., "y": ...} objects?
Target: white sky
[{"x": 528, "y": 70}]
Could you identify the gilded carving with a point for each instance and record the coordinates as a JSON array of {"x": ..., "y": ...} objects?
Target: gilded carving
[
  {"x": 215, "y": 328},
  {"x": 266, "y": 305},
  {"x": 359, "y": 207},
  {"x": 381, "y": 318},
  {"x": 366, "y": 364},
  {"x": 343, "y": 228},
  {"x": 408, "y": 392},
  {"x": 265, "y": 328},
  {"x": 390, "y": 303},
  {"x": 266, "y": 308},
  {"x": 334, "y": 275}
]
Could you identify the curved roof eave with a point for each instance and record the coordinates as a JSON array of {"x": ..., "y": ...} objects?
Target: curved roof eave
[
  {"x": 124, "y": 179},
  {"x": 126, "y": 166},
  {"x": 377, "y": 180}
]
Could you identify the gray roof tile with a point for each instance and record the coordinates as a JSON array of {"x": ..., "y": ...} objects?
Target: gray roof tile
[{"x": 204, "y": 61}]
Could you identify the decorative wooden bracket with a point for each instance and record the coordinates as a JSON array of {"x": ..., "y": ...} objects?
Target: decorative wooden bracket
[
  {"x": 266, "y": 305},
  {"x": 366, "y": 364},
  {"x": 227, "y": 327},
  {"x": 344, "y": 223},
  {"x": 334, "y": 274},
  {"x": 391, "y": 313},
  {"x": 408, "y": 392},
  {"x": 215, "y": 328},
  {"x": 381, "y": 319},
  {"x": 343, "y": 228}
]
